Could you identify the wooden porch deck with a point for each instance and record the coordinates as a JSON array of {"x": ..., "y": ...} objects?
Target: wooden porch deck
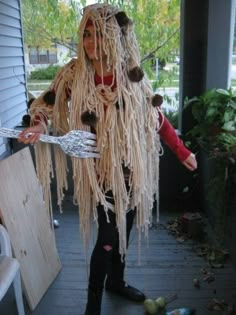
[{"x": 167, "y": 267}]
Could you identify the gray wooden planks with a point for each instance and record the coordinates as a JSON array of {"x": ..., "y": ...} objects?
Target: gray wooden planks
[{"x": 168, "y": 267}]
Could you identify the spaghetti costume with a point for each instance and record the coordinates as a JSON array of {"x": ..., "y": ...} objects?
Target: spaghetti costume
[{"x": 127, "y": 125}]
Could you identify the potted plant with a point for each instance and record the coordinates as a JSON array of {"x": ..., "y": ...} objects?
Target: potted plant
[
  {"x": 215, "y": 133},
  {"x": 214, "y": 112}
]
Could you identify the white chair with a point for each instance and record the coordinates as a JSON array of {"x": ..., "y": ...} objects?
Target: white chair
[{"x": 9, "y": 270}]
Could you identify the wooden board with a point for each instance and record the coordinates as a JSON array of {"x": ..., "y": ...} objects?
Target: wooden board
[{"x": 24, "y": 215}]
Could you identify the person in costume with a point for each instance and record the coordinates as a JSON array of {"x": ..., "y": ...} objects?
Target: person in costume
[{"x": 105, "y": 91}]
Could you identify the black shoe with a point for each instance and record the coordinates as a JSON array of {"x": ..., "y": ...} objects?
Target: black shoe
[
  {"x": 93, "y": 306},
  {"x": 126, "y": 291},
  {"x": 87, "y": 312}
]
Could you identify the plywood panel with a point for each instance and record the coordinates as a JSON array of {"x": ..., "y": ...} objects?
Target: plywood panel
[{"x": 23, "y": 212}]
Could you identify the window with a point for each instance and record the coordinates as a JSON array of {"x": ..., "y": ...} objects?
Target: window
[{"x": 42, "y": 55}]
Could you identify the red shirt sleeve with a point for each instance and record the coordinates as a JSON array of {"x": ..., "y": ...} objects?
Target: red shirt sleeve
[{"x": 171, "y": 139}]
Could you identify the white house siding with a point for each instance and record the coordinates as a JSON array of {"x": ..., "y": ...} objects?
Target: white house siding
[{"x": 12, "y": 69}]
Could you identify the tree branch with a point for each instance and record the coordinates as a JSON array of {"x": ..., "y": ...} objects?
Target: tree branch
[
  {"x": 45, "y": 35},
  {"x": 152, "y": 53}
]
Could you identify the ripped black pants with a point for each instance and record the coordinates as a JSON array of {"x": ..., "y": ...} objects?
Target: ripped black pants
[{"x": 106, "y": 259}]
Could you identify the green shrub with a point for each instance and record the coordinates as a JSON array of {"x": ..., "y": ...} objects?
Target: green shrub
[
  {"x": 44, "y": 74},
  {"x": 172, "y": 117}
]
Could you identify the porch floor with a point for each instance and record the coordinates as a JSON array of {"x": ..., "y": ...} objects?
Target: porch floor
[{"x": 167, "y": 267}]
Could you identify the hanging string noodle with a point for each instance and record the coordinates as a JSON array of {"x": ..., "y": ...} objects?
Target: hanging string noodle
[{"x": 126, "y": 136}]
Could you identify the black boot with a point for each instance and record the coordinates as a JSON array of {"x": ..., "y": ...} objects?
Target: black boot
[
  {"x": 116, "y": 284},
  {"x": 94, "y": 302}
]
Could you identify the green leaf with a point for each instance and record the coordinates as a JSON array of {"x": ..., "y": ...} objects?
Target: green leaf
[
  {"x": 229, "y": 126},
  {"x": 229, "y": 115},
  {"x": 211, "y": 112},
  {"x": 188, "y": 101},
  {"x": 232, "y": 104},
  {"x": 222, "y": 91}
]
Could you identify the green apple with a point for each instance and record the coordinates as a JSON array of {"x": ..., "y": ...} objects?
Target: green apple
[
  {"x": 161, "y": 302},
  {"x": 150, "y": 306}
]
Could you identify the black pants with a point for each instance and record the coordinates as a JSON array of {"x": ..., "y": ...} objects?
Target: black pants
[{"x": 103, "y": 261}]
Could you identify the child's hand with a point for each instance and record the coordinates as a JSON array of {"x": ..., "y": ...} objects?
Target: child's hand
[
  {"x": 34, "y": 132},
  {"x": 190, "y": 163}
]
